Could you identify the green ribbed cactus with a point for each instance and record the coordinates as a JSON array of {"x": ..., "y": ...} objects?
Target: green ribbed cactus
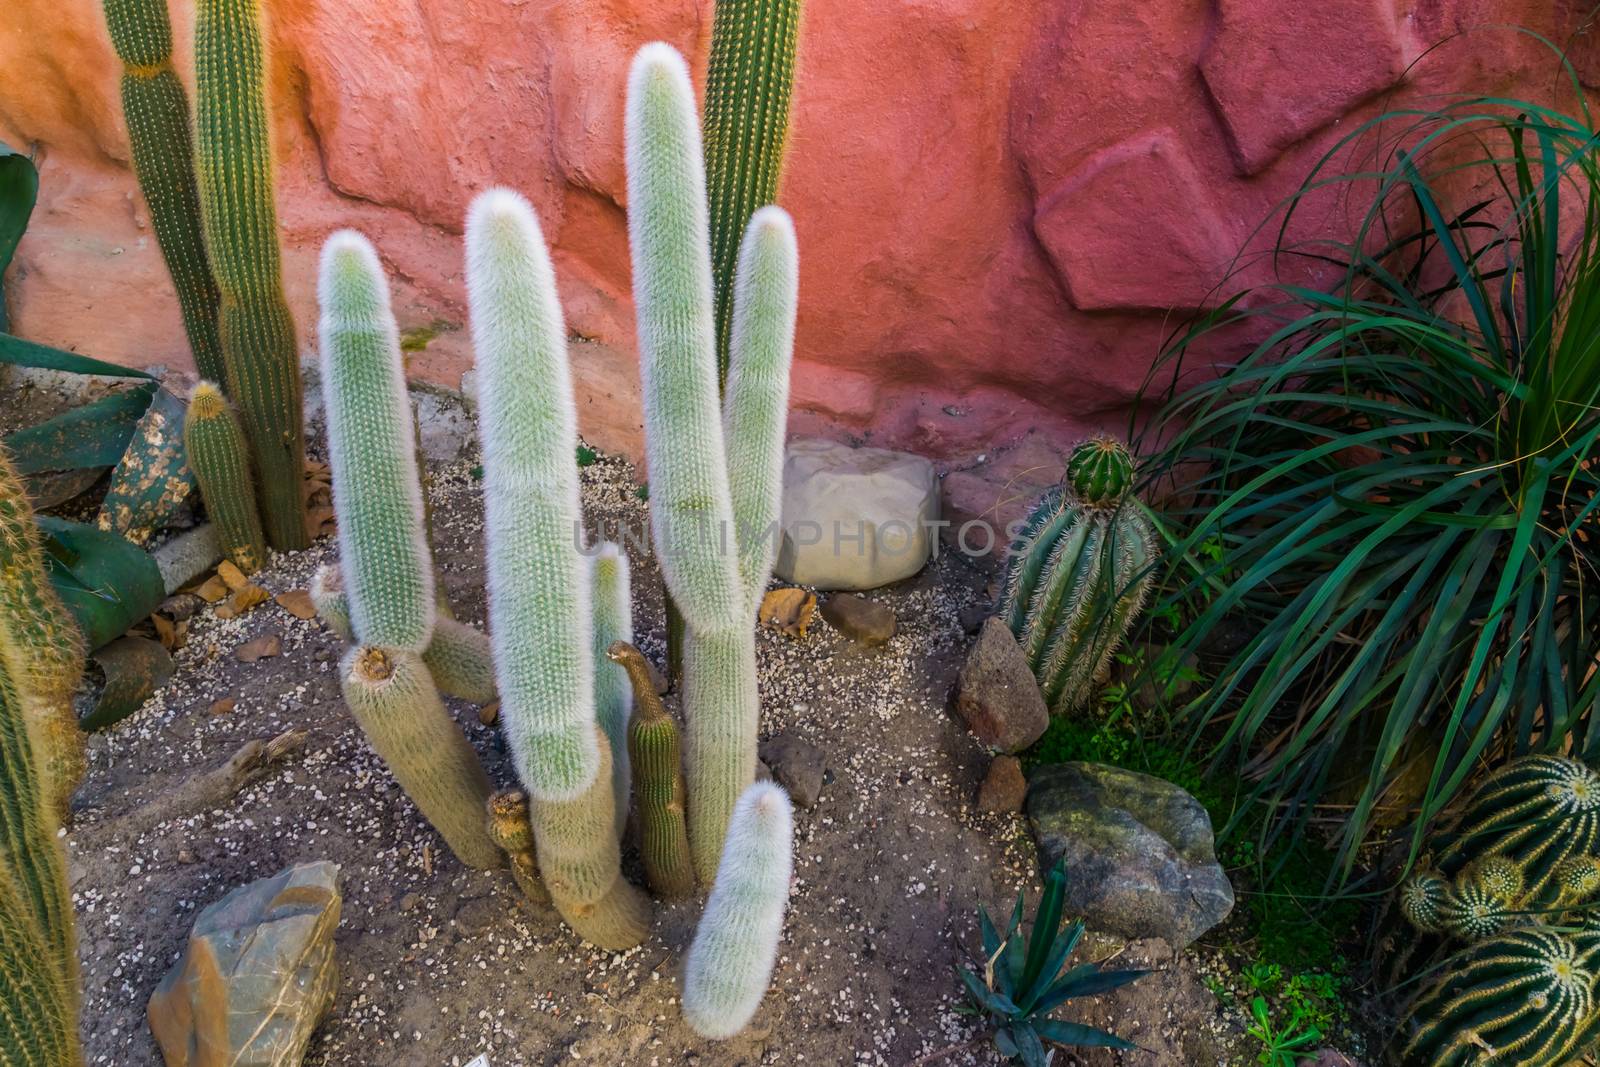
[
  {"x": 748, "y": 86},
  {"x": 1524, "y": 998},
  {"x": 1423, "y": 898},
  {"x": 715, "y": 470},
  {"x": 542, "y": 619},
  {"x": 392, "y": 697},
  {"x": 157, "y": 112},
  {"x": 233, "y": 163},
  {"x": 736, "y": 944},
  {"x": 612, "y": 606},
  {"x": 38, "y": 944},
  {"x": 220, "y": 458},
  {"x": 383, "y": 547},
  {"x": 509, "y": 828},
  {"x": 40, "y": 645},
  {"x": 1077, "y": 575},
  {"x": 457, "y": 656},
  {"x": 1485, "y": 899},
  {"x": 657, "y": 781}
]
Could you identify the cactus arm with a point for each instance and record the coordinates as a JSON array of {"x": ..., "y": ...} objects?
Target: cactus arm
[
  {"x": 736, "y": 944},
  {"x": 383, "y": 548},
  {"x": 722, "y": 721},
  {"x": 658, "y": 782},
  {"x": 691, "y": 510},
  {"x": 220, "y": 457},
  {"x": 160, "y": 140},
  {"x": 37, "y": 1024},
  {"x": 748, "y": 89},
  {"x": 233, "y": 165},
  {"x": 509, "y": 828},
  {"x": 539, "y": 598},
  {"x": 613, "y": 696},
  {"x": 1071, "y": 560},
  {"x": 1027, "y": 555},
  {"x": 755, "y": 411},
  {"x": 391, "y": 696}
]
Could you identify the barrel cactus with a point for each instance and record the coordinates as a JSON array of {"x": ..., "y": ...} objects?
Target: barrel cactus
[
  {"x": 1078, "y": 573},
  {"x": 220, "y": 457}
]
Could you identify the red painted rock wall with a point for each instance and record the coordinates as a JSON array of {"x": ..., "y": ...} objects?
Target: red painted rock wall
[{"x": 1003, "y": 205}]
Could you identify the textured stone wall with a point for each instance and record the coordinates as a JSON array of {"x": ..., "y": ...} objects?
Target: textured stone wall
[{"x": 1003, "y": 205}]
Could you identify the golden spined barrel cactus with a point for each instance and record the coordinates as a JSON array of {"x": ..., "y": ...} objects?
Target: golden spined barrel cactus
[
  {"x": 220, "y": 458},
  {"x": 392, "y": 698},
  {"x": 1486, "y": 898},
  {"x": 657, "y": 781},
  {"x": 233, "y": 164},
  {"x": 1423, "y": 898},
  {"x": 1523, "y": 998},
  {"x": 1078, "y": 573},
  {"x": 160, "y": 138}
]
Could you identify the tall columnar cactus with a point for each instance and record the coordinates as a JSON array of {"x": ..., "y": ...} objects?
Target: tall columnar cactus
[
  {"x": 1078, "y": 573},
  {"x": 383, "y": 549},
  {"x": 220, "y": 458},
  {"x": 457, "y": 656},
  {"x": 748, "y": 87},
  {"x": 736, "y": 943},
  {"x": 157, "y": 112},
  {"x": 1524, "y": 998},
  {"x": 610, "y": 599},
  {"x": 540, "y": 601},
  {"x": 392, "y": 697},
  {"x": 715, "y": 473},
  {"x": 657, "y": 781},
  {"x": 40, "y": 645},
  {"x": 38, "y": 945},
  {"x": 233, "y": 157}
]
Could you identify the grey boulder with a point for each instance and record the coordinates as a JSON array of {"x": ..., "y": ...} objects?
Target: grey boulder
[{"x": 996, "y": 693}]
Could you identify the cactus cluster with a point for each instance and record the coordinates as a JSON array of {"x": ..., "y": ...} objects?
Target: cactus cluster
[
  {"x": 1078, "y": 573},
  {"x": 220, "y": 458},
  {"x": 233, "y": 166}
]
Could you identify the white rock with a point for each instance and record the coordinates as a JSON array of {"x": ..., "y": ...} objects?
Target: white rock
[
  {"x": 855, "y": 518},
  {"x": 444, "y": 425}
]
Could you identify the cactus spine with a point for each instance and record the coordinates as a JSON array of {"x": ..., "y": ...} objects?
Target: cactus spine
[
  {"x": 1078, "y": 573},
  {"x": 613, "y": 696},
  {"x": 392, "y": 697},
  {"x": 1525, "y": 998},
  {"x": 714, "y": 473},
  {"x": 748, "y": 87},
  {"x": 509, "y": 828},
  {"x": 736, "y": 943},
  {"x": 539, "y": 594},
  {"x": 40, "y": 646},
  {"x": 220, "y": 458},
  {"x": 457, "y": 656},
  {"x": 657, "y": 781},
  {"x": 157, "y": 112},
  {"x": 233, "y": 156},
  {"x": 383, "y": 548}
]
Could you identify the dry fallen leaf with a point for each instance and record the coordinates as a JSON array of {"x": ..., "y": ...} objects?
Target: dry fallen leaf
[
  {"x": 232, "y": 575},
  {"x": 264, "y": 647},
  {"x": 789, "y": 610},
  {"x": 297, "y": 602},
  {"x": 319, "y": 521},
  {"x": 212, "y": 589},
  {"x": 223, "y": 706},
  {"x": 172, "y": 635},
  {"x": 489, "y": 714},
  {"x": 243, "y": 599}
]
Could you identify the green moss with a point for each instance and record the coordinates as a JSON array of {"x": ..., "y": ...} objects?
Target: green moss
[{"x": 416, "y": 338}]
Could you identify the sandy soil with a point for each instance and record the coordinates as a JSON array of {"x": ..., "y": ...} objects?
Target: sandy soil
[{"x": 439, "y": 963}]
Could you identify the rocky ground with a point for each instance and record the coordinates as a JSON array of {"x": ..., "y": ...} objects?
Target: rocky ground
[{"x": 439, "y": 963}]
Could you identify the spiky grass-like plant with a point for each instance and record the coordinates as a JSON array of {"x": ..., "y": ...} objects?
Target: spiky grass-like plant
[
  {"x": 233, "y": 165},
  {"x": 736, "y": 944},
  {"x": 220, "y": 457},
  {"x": 715, "y": 472},
  {"x": 657, "y": 781},
  {"x": 161, "y": 141},
  {"x": 1393, "y": 493}
]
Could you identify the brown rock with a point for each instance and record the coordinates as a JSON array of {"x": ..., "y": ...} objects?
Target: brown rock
[
  {"x": 257, "y": 975},
  {"x": 297, "y": 602},
  {"x": 223, "y": 706},
  {"x": 1004, "y": 788},
  {"x": 264, "y": 647},
  {"x": 996, "y": 693},
  {"x": 859, "y": 618},
  {"x": 797, "y": 765}
]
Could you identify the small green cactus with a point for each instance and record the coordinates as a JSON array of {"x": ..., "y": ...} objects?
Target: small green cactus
[
  {"x": 157, "y": 112},
  {"x": 509, "y": 828},
  {"x": 1576, "y": 881},
  {"x": 217, "y": 451},
  {"x": 736, "y": 944},
  {"x": 657, "y": 781},
  {"x": 1523, "y": 998},
  {"x": 383, "y": 547},
  {"x": 392, "y": 697},
  {"x": 1423, "y": 899},
  {"x": 233, "y": 165},
  {"x": 1077, "y": 575},
  {"x": 1485, "y": 899},
  {"x": 612, "y": 607}
]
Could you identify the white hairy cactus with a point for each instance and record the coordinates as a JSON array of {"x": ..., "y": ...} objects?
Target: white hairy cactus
[
  {"x": 715, "y": 473},
  {"x": 372, "y": 452},
  {"x": 539, "y": 598},
  {"x": 610, "y": 594},
  {"x": 736, "y": 943}
]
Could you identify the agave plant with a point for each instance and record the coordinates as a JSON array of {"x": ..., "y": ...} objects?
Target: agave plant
[
  {"x": 1396, "y": 489},
  {"x": 1023, "y": 980}
]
